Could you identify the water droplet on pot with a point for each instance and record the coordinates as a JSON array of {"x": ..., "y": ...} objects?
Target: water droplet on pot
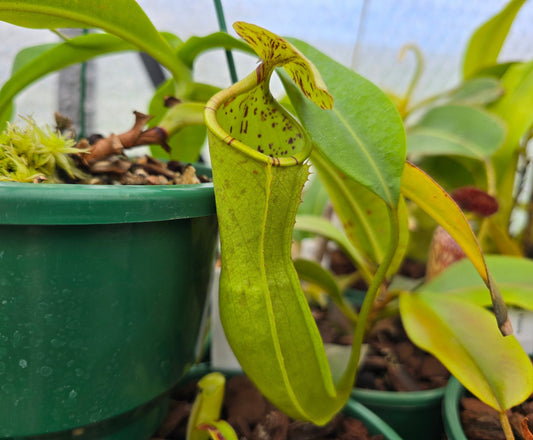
[
  {"x": 95, "y": 417},
  {"x": 57, "y": 343},
  {"x": 23, "y": 363},
  {"x": 45, "y": 371},
  {"x": 16, "y": 338},
  {"x": 73, "y": 394}
]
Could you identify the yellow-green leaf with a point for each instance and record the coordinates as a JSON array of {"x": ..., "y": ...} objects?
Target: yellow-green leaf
[
  {"x": 513, "y": 108},
  {"x": 364, "y": 217},
  {"x": 464, "y": 338},
  {"x": 314, "y": 273},
  {"x": 321, "y": 226},
  {"x": 485, "y": 44},
  {"x": 437, "y": 203},
  {"x": 514, "y": 276}
]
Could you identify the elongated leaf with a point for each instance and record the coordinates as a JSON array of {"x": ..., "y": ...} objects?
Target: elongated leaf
[
  {"x": 486, "y": 43},
  {"x": 23, "y": 57},
  {"x": 258, "y": 152},
  {"x": 123, "y": 18},
  {"x": 39, "y": 61},
  {"x": 456, "y": 130},
  {"x": 431, "y": 198},
  {"x": 514, "y": 276},
  {"x": 314, "y": 273},
  {"x": 505, "y": 243},
  {"x": 320, "y": 226},
  {"x": 363, "y": 136},
  {"x": 463, "y": 337},
  {"x": 195, "y": 46},
  {"x": 315, "y": 198},
  {"x": 477, "y": 91},
  {"x": 513, "y": 109},
  {"x": 364, "y": 217},
  {"x": 187, "y": 142}
]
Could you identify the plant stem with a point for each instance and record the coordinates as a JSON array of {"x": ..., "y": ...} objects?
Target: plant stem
[
  {"x": 373, "y": 290},
  {"x": 506, "y": 426}
]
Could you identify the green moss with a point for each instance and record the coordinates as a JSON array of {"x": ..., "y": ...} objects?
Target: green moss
[{"x": 29, "y": 152}]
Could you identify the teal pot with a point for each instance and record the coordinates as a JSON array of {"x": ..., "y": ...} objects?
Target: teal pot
[
  {"x": 450, "y": 410},
  {"x": 414, "y": 415},
  {"x": 373, "y": 422},
  {"x": 102, "y": 295}
]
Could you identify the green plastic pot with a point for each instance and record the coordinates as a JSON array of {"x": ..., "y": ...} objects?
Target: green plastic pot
[
  {"x": 102, "y": 295},
  {"x": 450, "y": 410},
  {"x": 373, "y": 423},
  {"x": 413, "y": 415}
]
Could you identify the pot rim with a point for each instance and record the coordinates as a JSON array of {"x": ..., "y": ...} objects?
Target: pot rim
[
  {"x": 401, "y": 398},
  {"x": 75, "y": 204},
  {"x": 450, "y": 410}
]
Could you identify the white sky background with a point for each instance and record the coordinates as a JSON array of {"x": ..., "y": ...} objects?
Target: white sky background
[{"x": 439, "y": 27}]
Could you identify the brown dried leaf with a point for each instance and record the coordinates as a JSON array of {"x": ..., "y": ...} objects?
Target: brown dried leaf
[{"x": 528, "y": 435}]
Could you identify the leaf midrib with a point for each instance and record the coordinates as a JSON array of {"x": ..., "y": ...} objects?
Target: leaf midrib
[{"x": 389, "y": 200}]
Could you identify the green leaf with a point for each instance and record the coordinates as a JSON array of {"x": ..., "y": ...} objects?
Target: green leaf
[
  {"x": 314, "y": 273},
  {"x": 456, "y": 130},
  {"x": 320, "y": 226},
  {"x": 453, "y": 172},
  {"x": 432, "y": 199},
  {"x": 23, "y": 57},
  {"x": 495, "y": 70},
  {"x": 123, "y": 18},
  {"x": 183, "y": 124},
  {"x": 195, "y": 46},
  {"x": 36, "y": 62},
  {"x": 486, "y": 43},
  {"x": 477, "y": 91},
  {"x": 514, "y": 108},
  {"x": 514, "y": 276},
  {"x": 187, "y": 142},
  {"x": 464, "y": 338},
  {"x": 363, "y": 136},
  {"x": 315, "y": 198},
  {"x": 364, "y": 217}
]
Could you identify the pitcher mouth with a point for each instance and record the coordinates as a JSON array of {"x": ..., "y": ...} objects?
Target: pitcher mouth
[{"x": 234, "y": 98}]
